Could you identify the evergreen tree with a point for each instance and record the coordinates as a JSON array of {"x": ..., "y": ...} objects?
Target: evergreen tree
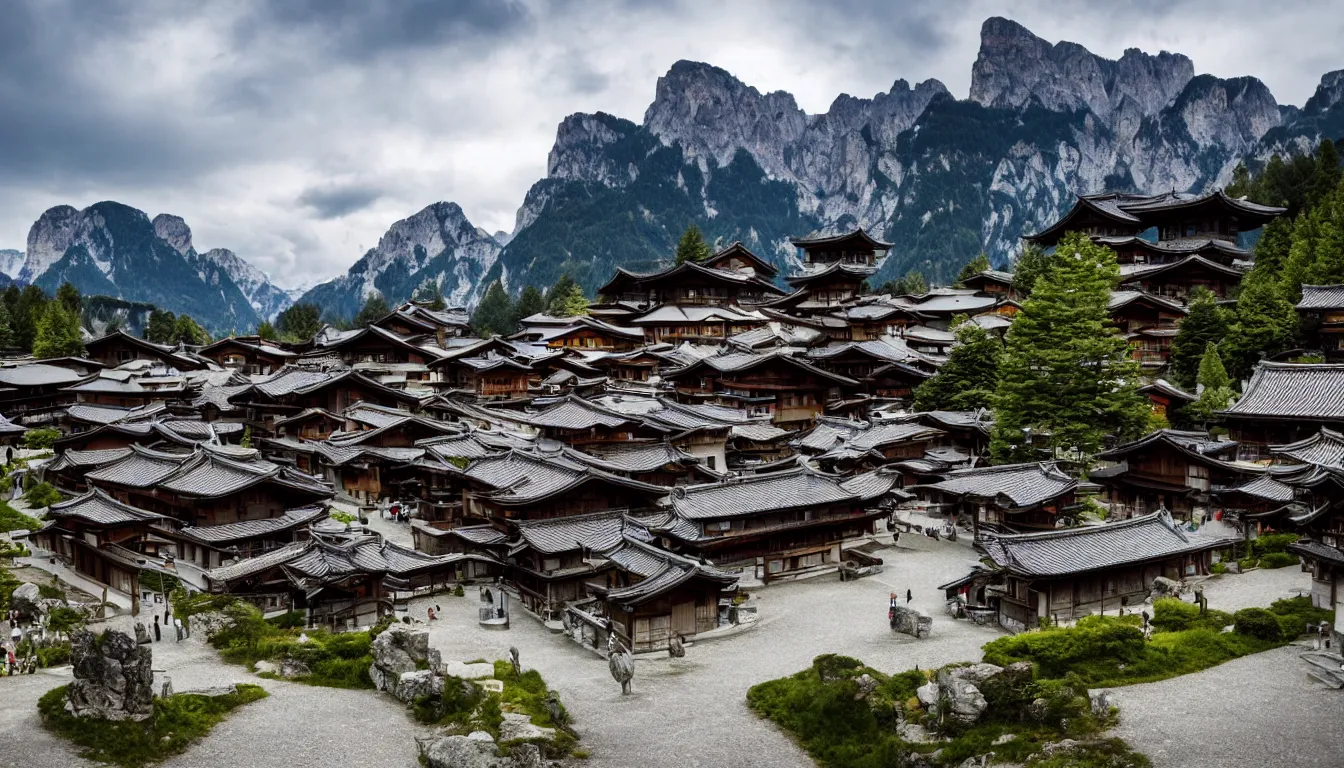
[
  {"x": 375, "y": 308},
  {"x": 1316, "y": 253},
  {"x": 1326, "y": 175},
  {"x": 57, "y": 333},
  {"x": 188, "y": 331},
  {"x": 1265, "y": 324},
  {"x": 1273, "y": 247},
  {"x": 28, "y": 311},
  {"x": 969, "y": 377},
  {"x": 300, "y": 322},
  {"x": 6, "y": 328},
  {"x": 430, "y": 295},
  {"x": 692, "y": 246},
  {"x": 1030, "y": 266},
  {"x": 566, "y": 299},
  {"x": 267, "y": 331},
  {"x": 69, "y": 296},
  {"x": 162, "y": 327},
  {"x": 530, "y": 302},
  {"x": 494, "y": 315},
  {"x": 1215, "y": 387},
  {"x": 909, "y": 284},
  {"x": 1206, "y": 323},
  {"x": 973, "y": 267},
  {"x": 1066, "y": 372}
]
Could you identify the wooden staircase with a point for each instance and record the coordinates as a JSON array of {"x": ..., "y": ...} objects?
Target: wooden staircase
[{"x": 1325, "y": 668}]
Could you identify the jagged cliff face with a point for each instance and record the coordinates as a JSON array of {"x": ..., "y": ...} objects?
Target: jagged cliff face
[
  {"x": 942, "y": 178},
  {"x": 266, "y": 299},
  {"x": 436, "y": 246},
  {"x": 110, "y": 249},
  {"x": 11, "y": 261}
]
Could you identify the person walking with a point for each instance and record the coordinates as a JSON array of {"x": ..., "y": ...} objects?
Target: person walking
[
  {"x": 177, "y": 625},
  {"x": 158, "y": 634},
  {"x": 909, "y": 596}
]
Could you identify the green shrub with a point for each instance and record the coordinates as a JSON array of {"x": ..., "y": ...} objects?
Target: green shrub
[
  {"x": 177, "y": 722},
  {"x": 13, "y": 520},
  {"x": 1247, "y": 563},
  {"x": 41, "y": 439},
  {"x": 1218, "y": 568},
  {"x": 1109, "y": 753},
  {"x": 1258, "y": 623},
  {"x": 1096, "y": 643},
  {"x": 458, "y": 591},
  {"x": 1171, "y": 614},
  {"x": 1278, "y": 560},
  {"x": 289, "y": 620},
  {"x": 1296, "y": 615},
  {"x": 1272, "y": 542},
  {"x": 42, "y": 495}
]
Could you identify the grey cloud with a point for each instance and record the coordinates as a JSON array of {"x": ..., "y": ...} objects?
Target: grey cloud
[{"x": 333, "y": 202}]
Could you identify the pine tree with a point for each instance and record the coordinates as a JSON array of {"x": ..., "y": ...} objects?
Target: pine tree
[
  {"x": 1327, "y": 172},
  {"x": 28, "y": 311},
  {"x": 1206, "y": 323},
  {"x": 566, "y": 299},
  {"x": 1273, "y": 247},
  {"x": 1030, "y": 266},
  {"x": 162, "y": 327},
  {"x": 57, "y": 333},
  {"x": 300, "y": 322},
  {"x": 188, "y": 331},
  {"x": 267, "y": 331},
  {"x": 969, "y": 377},
  {"x": 430, "y": 295},
  {"x": 973, "y": 267},
  {"x": 692, "y": 246},
  {"x": 1066, "y": 371},
  {"x": 494, "y": 315},
  {"x": 375, "y": 308},
  {"x": 909, "y": 284},
  {"x": 1215, "y": 387},
  {"x": 530, "y": 302},
  {"x": 1265, "y": 324},
  {"x": 69, "y": 296},
  {"x": 6, "y": 328}
]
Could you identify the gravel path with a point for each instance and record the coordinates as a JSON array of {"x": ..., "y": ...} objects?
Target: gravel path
[{"x": 691, "y": 712}]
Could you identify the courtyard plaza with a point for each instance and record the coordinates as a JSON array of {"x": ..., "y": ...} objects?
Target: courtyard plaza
[{"x": 692, "y": 711}]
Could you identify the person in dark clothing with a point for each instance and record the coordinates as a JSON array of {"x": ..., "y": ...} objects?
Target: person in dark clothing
[
  {"x": 158, "y": 633},
  {"x": 909, "y": 596}
]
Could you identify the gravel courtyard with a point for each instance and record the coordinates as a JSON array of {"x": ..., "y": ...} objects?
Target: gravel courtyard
[{"x": 692, "y": 711}]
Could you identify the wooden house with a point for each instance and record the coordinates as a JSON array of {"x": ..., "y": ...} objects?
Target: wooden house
[
  {"x": 1007, "y": 497},
  {"x": 1284, "y": 403},
  {"x": 520, "y": 485},
  {"x": 1070, "y": 573},
  {"x": 791, "y": 391},
  {"x": 1321, "y": 313},
  {"x": 1168, "y": 469},
  {"x": 119, "y": 347},
  {"x": 251, "y": 355}
]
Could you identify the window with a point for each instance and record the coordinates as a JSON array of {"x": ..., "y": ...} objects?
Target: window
[
  {"x": 709, "y": 461},
  {"x": 550, "y": 564}
]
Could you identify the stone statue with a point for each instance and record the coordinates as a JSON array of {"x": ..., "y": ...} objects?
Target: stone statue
[
  {"x": 1201, "y": 599},
  {"x": 141, "y": 634},
  {"x": 676, "y": 648},
  {"x": 167, "y": 690},
  {"x": 513, "y": 658},
  {"x": 559, "y": 717},
  {"x": 620, "y": 662}
]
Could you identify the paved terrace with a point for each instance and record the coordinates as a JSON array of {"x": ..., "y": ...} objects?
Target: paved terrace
[{"x": 692, "y": 711}]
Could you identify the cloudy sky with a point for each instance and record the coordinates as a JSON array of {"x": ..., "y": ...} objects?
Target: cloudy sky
[{"x": 296, "y": 132}]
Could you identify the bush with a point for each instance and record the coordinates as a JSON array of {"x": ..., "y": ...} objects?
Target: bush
[
  {"x": 41, "y": 439},
  {"x": 1258, "y": 623},
  {"x": 1272, "y": 542},
  {"x": 1297, "y": 614},
  {"x": 1279, "y": 560},
  {"x": 1218, "y": 569},
  {"x": 1096, "y": 643},
  {"x": 42, "y": 495},
  {"x": 177, "y": 722},
  {"x": 1173, "y": 615}
]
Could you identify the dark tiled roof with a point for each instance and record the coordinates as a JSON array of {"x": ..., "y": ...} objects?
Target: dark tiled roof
[
  {"x": 248, "y": 529},
  {"x": 99, "y": 508},
  {"x": 1265, "y": 488},
  {"x": 594, "y": 531},
  {"x": 743, "y": 496},
  {"x": 1091, "y": 548},
  {"x": 1315, "y": 550},
  {"x": 1023, "y": 485},
  {"x": 1325, "y": 448},
  {"x": 1293, "y": 391},
  {"x": 634, "y": 457},
  {"x": 876, "y": 484},
  {"x": 1316, "y": 297},
  {"x": 141, "y": 468}
]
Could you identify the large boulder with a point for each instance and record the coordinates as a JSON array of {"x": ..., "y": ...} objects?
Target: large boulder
[
  {"x": 911, "y": 621},
  {"x": 114, "y": 677},
  {"x": 459, "y": 752},
  {"x": 965, "y": 703},
  {"x": 26, "y": 592},
  {"x": 207, "y": 624},
  {"x": 519, "y": 726},
  {"x": 396, "y": 651},
  {"x": 928, "y": 695},
  {"x": 418, "y": 684}
]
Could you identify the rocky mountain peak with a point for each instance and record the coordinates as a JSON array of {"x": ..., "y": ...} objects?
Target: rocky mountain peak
[
  {"x": 577, "y": 152},
  {"x": 1329, "y": 93},
  {"x": 1015, "y": 67},
  {"x": 55, "y": 230},
  {"x": 174, "y": 231},
  {"x": 712, "y": 114}
]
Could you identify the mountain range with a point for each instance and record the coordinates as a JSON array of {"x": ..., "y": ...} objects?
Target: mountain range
[{"x": 942, "y": 178}]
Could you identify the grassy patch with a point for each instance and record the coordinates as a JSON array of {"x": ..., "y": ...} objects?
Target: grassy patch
[
  {"x": 13, "y": 520},
  {"x": 42, "y": 495},
  {"x": 465, "y": 706},
  {"x": 337, "y": 660},
  {"x": 1111, "y": 650},
  {"x": 177, "y": 722}
]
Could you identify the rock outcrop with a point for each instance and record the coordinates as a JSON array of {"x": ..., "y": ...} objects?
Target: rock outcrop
[
  {"x": 114, "y": 678},
  {"x": 400, "y": 651},
  {"x": 911, "y": 621}
]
